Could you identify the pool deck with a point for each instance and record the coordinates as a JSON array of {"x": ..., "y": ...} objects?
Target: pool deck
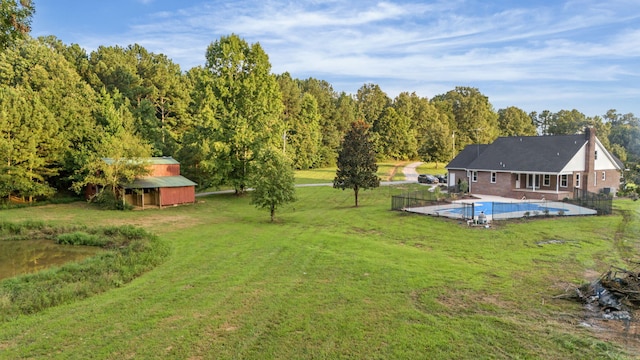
[{"x": 442, "y": 210}]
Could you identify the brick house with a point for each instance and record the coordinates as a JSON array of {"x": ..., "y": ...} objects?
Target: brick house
[
  {"x": 163, "y": 186},
  {"x": 537, "y": 167}
]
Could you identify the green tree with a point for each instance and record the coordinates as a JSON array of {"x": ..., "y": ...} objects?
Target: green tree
[
  {"x": 200, "y": 141},
  {"x": 566, "y": 122},
  {"x": 273, "y": 181},
  {"x": 372, "y": 102},
  {"x": 357, "y": 168},
  {"x": 475, "y": 121},
  {"x": 249, "y": 107},
  {"x": 120, "y": 153},
  {"x": 305, "y": 135},
  {"x": 15, "y": 20},
  {"x": 397, "y": 139},
  {"x": 28, "y": 143},
  {"x": 514, "y": 121}
]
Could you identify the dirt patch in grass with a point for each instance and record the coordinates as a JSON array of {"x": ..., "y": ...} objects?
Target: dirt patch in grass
[
  {"x": 460, "y": 301},
  {"x": 160, "y": 222}
]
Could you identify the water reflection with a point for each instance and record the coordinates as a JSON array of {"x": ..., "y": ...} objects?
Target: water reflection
[{"x": 19, "y": 257}]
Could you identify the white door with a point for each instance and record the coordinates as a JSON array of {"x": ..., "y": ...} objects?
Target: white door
[
  {"x": 452, "y": 179},
  {"x": 517, "y": 181}
]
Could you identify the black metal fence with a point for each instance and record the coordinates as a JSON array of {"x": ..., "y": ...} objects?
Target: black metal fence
[
  {"x": 414, "y": 199},
  {"x": 602, "y": 203}
]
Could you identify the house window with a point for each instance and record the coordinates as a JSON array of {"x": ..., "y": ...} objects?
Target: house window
[
  {"x": 547, "y": 180},
  {"x": 563, "y": 180},
  {"x": 595, "y": 155},
  {"x": 604, "y": 175},
  {"x": 474, "y": 176},
  {"x": 493, "y": 177},
  {"x": 577, "y": 180}
]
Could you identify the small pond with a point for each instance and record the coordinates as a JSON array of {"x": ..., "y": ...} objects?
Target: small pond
[{"x": 19, "y": 257}]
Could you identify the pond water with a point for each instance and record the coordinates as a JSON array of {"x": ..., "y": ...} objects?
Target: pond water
[{"x": 19, "y": 257}]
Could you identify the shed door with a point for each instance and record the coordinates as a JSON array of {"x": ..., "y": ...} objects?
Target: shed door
[{"x": 452, "y": 179}]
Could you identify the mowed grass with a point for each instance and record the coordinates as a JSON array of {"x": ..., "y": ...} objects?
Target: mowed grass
[
  {"x": 330, "y": 281},
  {"x": 387, "y": 171}
]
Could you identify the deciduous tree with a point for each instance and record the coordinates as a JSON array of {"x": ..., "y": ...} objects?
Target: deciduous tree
[
  {"x": 15, "y": 20},
  {"x": 249, "y": 107},
  {"x": 273, "y": 181}
]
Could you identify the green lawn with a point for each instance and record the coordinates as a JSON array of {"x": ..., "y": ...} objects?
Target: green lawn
[{"x": 330, "y": 281}]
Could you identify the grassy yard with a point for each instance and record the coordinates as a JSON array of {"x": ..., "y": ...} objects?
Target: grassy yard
[{"x": 331, "y": 281}]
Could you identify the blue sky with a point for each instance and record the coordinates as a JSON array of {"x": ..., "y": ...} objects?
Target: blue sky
[{"x": 536, "y": 55}]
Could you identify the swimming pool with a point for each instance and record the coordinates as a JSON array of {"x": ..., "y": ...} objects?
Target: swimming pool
[{"x": 497, "y": 208}]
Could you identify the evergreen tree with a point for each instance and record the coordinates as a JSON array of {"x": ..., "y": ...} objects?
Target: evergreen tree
[{"x": 357, "y": 168}]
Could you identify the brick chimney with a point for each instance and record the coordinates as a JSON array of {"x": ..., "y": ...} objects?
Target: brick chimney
[{"x": 590, "y": 159}]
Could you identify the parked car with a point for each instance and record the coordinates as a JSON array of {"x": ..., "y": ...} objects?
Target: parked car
[
  {"x": 427, "y": 179},
  {"x": 442, "y": 179}
]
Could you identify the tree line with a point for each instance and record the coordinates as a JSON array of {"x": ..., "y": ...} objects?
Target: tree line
[{"x": 62, "y": 110}]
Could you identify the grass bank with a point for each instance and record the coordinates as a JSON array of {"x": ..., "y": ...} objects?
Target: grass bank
[
  {"x": 128, "y": 253},
  {"x": 331, "y": 281}
]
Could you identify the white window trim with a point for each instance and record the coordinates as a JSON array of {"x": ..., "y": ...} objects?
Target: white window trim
[
  {"x": 577, "y": 181},
  {"x": 494, "y": 177},
  {"x": 474, "y": 176},
  {"x": 546, "y": 180},
  {"x": 564, "y": 179},
  {"x": 604, "y": 175}
]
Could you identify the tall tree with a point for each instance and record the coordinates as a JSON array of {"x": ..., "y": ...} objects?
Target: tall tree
[
  {"x": 120, "y": 153},
  {"x": 305, "y": 138},
  {"x": 567, "y": 122},
  {"x": 514, "y": 121},
  {"x": 371, "y": 104},
  {"x": 29, "y": 142},
  {"x": 357, "y": 168},
  {"x": 331, "y": 122},
  {"x": 273, "y": 181},
  {"x": 249, "y": 107},
  {"x": 397, "y": 138},
  {"x": 625, "y": 132},
  {"x": 475, "y": 121},
  {"x": 15, "y": 20}
]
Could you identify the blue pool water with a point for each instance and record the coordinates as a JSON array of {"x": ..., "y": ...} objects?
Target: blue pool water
[{"x": 495, "y": 208}]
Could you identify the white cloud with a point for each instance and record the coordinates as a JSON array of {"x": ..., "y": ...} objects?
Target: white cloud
[{"x": 584, "y": 47}]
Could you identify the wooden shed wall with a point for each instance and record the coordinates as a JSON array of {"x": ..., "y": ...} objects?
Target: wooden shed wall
[
  {"x": 177, "y": 195},
  {"x": 165, "y": 170}
]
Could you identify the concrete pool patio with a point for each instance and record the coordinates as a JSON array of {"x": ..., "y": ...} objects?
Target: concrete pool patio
[{"x": 484, "y": 203}]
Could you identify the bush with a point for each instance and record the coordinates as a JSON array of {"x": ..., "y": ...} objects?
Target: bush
[
  {"x": 80, "y": 238},
  {"x": 108, "y": 201}
]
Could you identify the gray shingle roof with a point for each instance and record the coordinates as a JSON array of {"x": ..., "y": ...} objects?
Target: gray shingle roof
[
  {"x": 547, "y": 154},
  {"x": 466, "y": 156}
]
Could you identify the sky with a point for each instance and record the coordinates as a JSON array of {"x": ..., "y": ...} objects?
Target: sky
[{"x": 536, "y": 55}]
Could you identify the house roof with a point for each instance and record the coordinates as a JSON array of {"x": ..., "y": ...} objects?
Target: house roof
[
  {"x": 466, "y": 156},
  {"x": 151, "y": 182},
  {"x": 523, "y": 153},
  {"x": 161, "y": 160}
]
